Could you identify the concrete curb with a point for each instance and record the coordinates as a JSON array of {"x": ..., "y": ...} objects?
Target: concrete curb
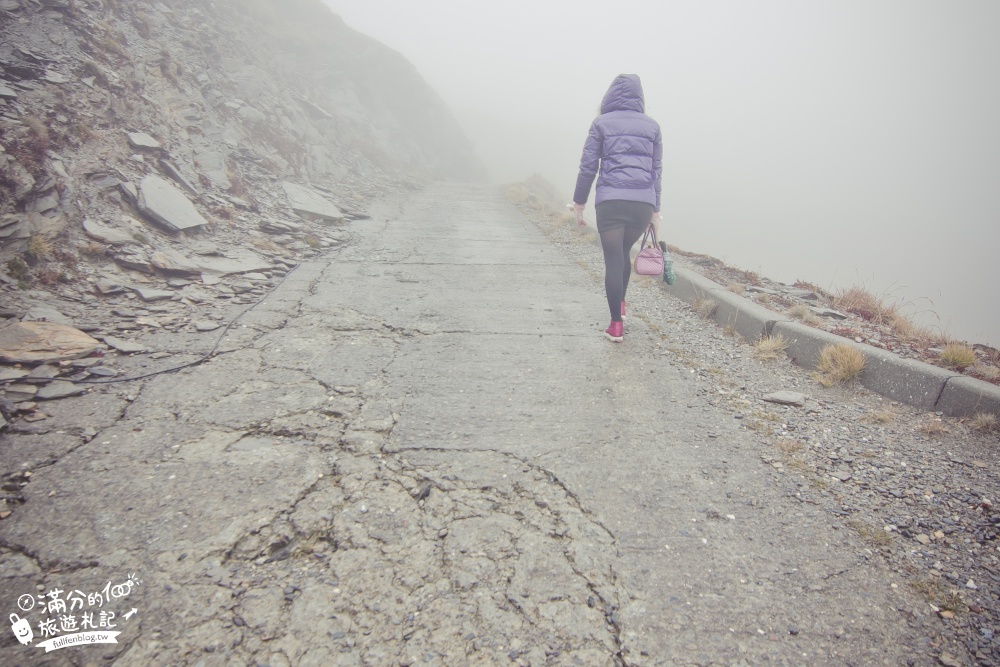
[{"x": 905, "y": 380}]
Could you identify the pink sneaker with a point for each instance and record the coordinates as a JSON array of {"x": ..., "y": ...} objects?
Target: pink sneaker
[
  {"x": 623, "y": 311},
  {"x": 614, "y": 332}
]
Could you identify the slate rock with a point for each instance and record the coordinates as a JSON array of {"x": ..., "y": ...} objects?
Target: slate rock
[
  {"x": 213, "y": 165},
  {"x": 205, "y": 325},
  {"x": 108, "y": 287},
  {"x": 237, "y": 261},
  {"x": 43, "y": 204},
  {"x": 9, "y": 225},
  {"x": 33, "y": 342},
  {"x": 17, "y": 176},
  {"x": 130, "y": 192},
  {"x": 46, "y": 313},
  {"x": 43, "y": 372},
  {"x": 53, "y": 76},
  {"x": 786, "y": 398},
  {"x": 308, "y": 203},
  {"x": 60, "y": 390},
  {"x": 126, "y": 346},
  {"x": 172, "y": 261},
  {"x": 801, "y": 293},
  {"x": 173, "y": 172},
  {"x": 147, "y": 294},
  {"x": 241, "y": 287},
  {"x": 280, "y": 226},
  {"x": 828, "y": 312},
  {"x": 107, "y": 234},
  {"x": 134, "y": 259},
  {"x": 18, "y": 393},
  {"x": 141, "y": 140},
  {"x": 315, "y": 109},
  {"x": 163, "y": 203},
  {"x": 7, "y": 374}
]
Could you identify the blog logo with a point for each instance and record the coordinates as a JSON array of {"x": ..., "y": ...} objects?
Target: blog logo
[{"x": 22, "y": 629}]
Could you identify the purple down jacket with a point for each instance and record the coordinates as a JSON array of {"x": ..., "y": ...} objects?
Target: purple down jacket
[{"x": 626, "y": 144}]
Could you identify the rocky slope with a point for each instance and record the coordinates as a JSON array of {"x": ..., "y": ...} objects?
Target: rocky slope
[{"x": 157, "y": 160}]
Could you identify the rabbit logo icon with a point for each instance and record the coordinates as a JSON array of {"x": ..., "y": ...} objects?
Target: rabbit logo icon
[{"x": 21, "y": 628}]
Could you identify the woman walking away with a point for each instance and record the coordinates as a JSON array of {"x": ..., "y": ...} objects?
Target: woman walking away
[{"x": 625, "y": 146}]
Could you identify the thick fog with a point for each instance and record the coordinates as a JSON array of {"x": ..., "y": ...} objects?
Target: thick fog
[{"x": 842, "y": 143}]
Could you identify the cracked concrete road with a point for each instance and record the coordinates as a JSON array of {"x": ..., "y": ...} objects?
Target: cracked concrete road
[{"x": 419, "y": 450}]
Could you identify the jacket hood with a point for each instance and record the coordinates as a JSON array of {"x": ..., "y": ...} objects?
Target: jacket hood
[{"x": 625, "y": 94}]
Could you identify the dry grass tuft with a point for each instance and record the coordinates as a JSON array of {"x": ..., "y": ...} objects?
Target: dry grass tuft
[
  {"x": 802, "y": 313},
  {"x": 94, "y": 249},
  {"x": 788, "y": 446},
  {"x": 84, "y": 132},
  {"x": 769, "y": 348},
  {"x": 29, "y": 148},
  {"x": 878, "y": 310},
  {"x": 884, "y": 416},
  {"x": 812, "y": 287},
  {"x": 865, "y": 305},
  {"x": 986, "y": 372},
  {"x": 878, "y": 537},
  {"x": 704, "y": 307},
  {"x": 223, "y": 212},
  {"x": 839, "y": 363},
  {"x": 237, "y": 185},
  {"x": 736, "y": 288},
  {"x": 39, "y": 130},
  {"x": 267, "y": 245},
  {"x": 18, "y": 269},
  {"x": 904, "y": 328},
  {"x": 939, "y": 594},
  {"x": 984, "y": 421},
  {"x": 933, "y": 428},
  {"x": 39, "y": 247},
  {"x": 749, "y": 277},
  {"x": 957, "y": 355}
]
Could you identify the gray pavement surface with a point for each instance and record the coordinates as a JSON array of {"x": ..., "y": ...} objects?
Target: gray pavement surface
[{"x": 420, "y": 450}]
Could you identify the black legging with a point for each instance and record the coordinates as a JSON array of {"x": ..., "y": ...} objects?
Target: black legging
[{"x": 620, "y": 223}]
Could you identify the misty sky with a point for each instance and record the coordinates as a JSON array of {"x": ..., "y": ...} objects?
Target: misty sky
[{"x": 848, "y": 142}]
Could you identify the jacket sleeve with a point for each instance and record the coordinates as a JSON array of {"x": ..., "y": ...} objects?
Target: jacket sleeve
[
  {"x": 588, "y": 164},
  {"x": 658, "y": 167}
]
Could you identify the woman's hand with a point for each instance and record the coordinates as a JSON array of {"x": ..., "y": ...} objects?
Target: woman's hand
[
  {"x": 578, "y": 212},
  {"x": 655, "y": 218}
]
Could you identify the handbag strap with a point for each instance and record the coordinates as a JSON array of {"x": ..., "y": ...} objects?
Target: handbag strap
[{"x": 650, "y": 232}]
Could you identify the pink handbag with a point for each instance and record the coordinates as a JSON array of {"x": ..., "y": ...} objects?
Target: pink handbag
[{"x": 649, "y": 261}]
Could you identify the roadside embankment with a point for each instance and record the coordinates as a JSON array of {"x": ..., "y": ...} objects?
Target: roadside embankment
[{"x": 905, "y": 380}]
